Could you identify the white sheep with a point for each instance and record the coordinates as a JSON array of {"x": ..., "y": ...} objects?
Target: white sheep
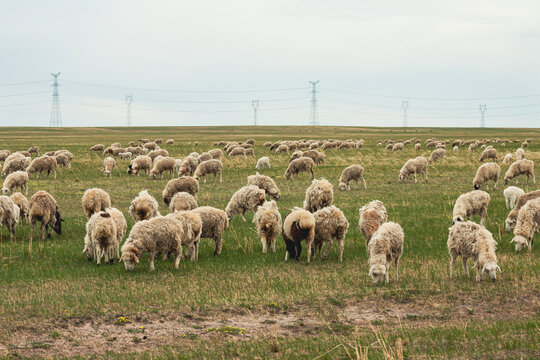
[
  {"x": 520, "y": 154},
  {"x": 265, "y": 183},
  {"x": 212, "y": 166},
  {"x": 520, "y": 167},
  {"x": 507, "y": 159},
  {"x": 162, "y": 165},
  {"x": 140, "y": 163},
  {"x": 9, "y": 215},
  {"x": 247, "y": 198},
  {"x": 43, "y": 208},
  {"x": 437, "y": 154},
  {"x": 101, "y": 239},
  {"x": 298, "y": 165},
  {"x": 330, "y": 223},
  {"x": 192, "y": 226},
  {"x": 474, "y": 202},
  {"x": 350, "y": 174},
  {"x": 183, "y": 183},
  {"x": 144, "y": 207},
  {"x": 268, "y": 222},
  {"x": 17, "y": 179},
  {"x": 15, "y": 164},
  {"x": 263, "y": 162},
  {"x": 189, "y": 165},
  {"x": 108, "y": 164},
  {"x": 418, "y": 165},
  {"x": 182, "y": 201},
  {"x": 487, "y": 172},
  {"x": 214, "y": 223},
  {"x": 372, "y": 215},
  {"x": 125, "y": 155},
  {"x": 24, "y": 206},
  {"x": 511, "y": 220},
  {"x": 318, "y": 195},
  {"x": 385, "y": 246},
  {"x": 511, "y": 194},
  {"x": 528, "y": 222},
  {"x": 95, "y": 200}
]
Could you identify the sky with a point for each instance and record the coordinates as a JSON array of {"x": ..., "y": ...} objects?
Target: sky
[{"x": 203, "y": 62}]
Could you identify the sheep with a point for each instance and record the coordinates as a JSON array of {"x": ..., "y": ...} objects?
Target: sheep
[
  {"x": 488, "y": 153},
  {"x": 216, "y": 154},
  {"x": 474, "y": 202},
  {"x": 43, "y": 208},
  {"x": 189, "y": 165},
  {"x": 528, "y": 221},
  {"x": 524, "y": 145},
  {"x": 182, "y": 201},
  {"x": 297, "y": 154},
  {"x": 455, "y": 148},
  {"x": 520, "y": 167},
  {"x": 330, "y": 223},
  {"x": 485, "y": 173},
  {"x": 470, "y": 240},
  {"x": 108, "y": 164},
  {"x": 140, "y": 163},
  {"x": 169, "y": 141},
  {"x": 511, "y": 195},
  {"x": 245, "y": 199},
  {"x": 95, "y": 200},
  {"x": 317, "y": 156},
  {"x": 520, "y": 154},
  {"x": 64, "y": 152},
  {"x": 101, "y": 239},
  {"x": 349, "y": 174},
  {"x": 192, "y": 226},
  {"x": 150, "y": 146},
  {"x": 34, "y": 150},
  {"x": 194, "y": 154},
  {"x": 203, "y": 157},
  {"x": 282, "y": 149},
  {"x": 143, "y": 207},
  {"x": 4, "y": 154},
  {"x": 214, "y": 224},
  {"x": 319, "y": 194},
  {"x": 207, "y": 167},
  {"x": 184, "y": 183},
  {"x": 15, "y": 164},
  {"x": 158, "y": 235},
  {"x": 298, "y": 225},
  {"x": 15, "y": 155},
  {"x": 397, "y": 146},
  {"x": 237, "y": 151},
  {"x": 265, "y": 183},
  {"x": 24, "y": 206},
  {"x": 156, "y": 153},
  {"x": 41, "y": 164},
  {"x": 17, "y": 179},
  {"x": 267, "y": 144},
  {"x": 511, "y": 220},
  {"x": 158, "y": 141},
  {"x": 144, "y": 140},
  {"x": 437, "y": 154},
  {"x": 116, "y": 145},
  {"x": 62, "y": 160},
  {"x": 250, "y": 152},
  {"x": 263, "y": 162},
  {"x": 385, "y": 245},
  {"x": 298, "y": 165},
  {"x": 125, "y": 155},
  {"x": 417, "y": 146},
  {"x": 162, "y": 165},
  {"x": 268, "y": 222},
  {"x": 9, "y": 214},
  {"x": 25, "y": 153},
  {"x": 507, "y": 159},
  {"x": 372, "y": 215},
  {"x": 418, "y": 165}
]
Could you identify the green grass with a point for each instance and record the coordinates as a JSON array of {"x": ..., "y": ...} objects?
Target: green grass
[{"x": 58, "y": 283}]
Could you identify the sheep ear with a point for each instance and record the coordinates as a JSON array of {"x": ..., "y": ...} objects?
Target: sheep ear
[
  {"x": 498, "y": 268},
  {"x": 513, "y": 240},
  {"x": 370, "y": 272},
  {"x": 135, "y": 258}
]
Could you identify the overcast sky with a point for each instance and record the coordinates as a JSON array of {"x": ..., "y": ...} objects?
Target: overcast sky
[{"x": 214, "y": 57}]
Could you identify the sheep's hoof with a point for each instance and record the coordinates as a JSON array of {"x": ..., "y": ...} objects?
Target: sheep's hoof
[{"x": 111, "y": 261}]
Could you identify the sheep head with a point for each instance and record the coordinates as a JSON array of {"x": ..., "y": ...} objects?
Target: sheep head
[
  {"x": 57, "y": 226},
  {"x": 520, "y": 242},
  {"x": 510, "y": 224},
  {"x": 130, "y": 258},
  {"x": 457, "y": 218},
  {"x": 377, "y": 273},
  {"x": 342, "y": 186},
  {"x": 491, "y": 270}
]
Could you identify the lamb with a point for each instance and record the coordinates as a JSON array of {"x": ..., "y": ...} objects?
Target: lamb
[
  {"x": 189, "y": 165},
  {"x": 298, "y": 225},
  {"x": 511, "y": 220},
  {"x": 247, "y": 198},
  {"x": 319, "y": 194},
  {"x": 263, "y": 162},
  {"x": 489, "y": 153},
  {"x": 158, "y": 235},
  {"x": 162, "y": 165},
  {"x": 520, "y": 154},
  {"x": 125, "y": 155},
  {"x": 372, "y": 215},
  {"x": 34, "y": 150},
  {"x": 485, "y": 173},
  {"x": 528, "y": 221},
  {"x": 520, "y": 167},
  {"x": 237, "y": 151},
  {"x": 15, "y": 164},
  {"x": 385, "y": 246},
  {"x": 183, "y": 183},
  {"x": 17, "y": 179},
  {"x": 9, "y": 215},
  {"x": 349, "y": 174},
  {"x": 437, "y": 154},
  {"x": 212, "y": 166},
  {"x": 97, "y": 147},
  {"x": 95, "y": 200},
  {"x": 63, "y": 160},
  {"x": 140, "y": 163},
  {"x": 474, "y": 202},
  {"x": 511, "y": 194},
  {"x": 418, "y": 165},
  {"x": 507, "y": 159},
  {"x": 268, "y": 222},
  {"x": 108, "y": 164},
  {"x": 330, "y": 223},
  {"x": 182, "y": 201},
  {"x": 192, "y": 226},
  {"x": 214, "y": 224},
  {"x": 144, "y": 207},
  {"x": 43, "y": 208},
  {"x": 470, "y": 240},
  {"x": 301, "y": 164},
  {"x": 24, "y": 206},
  {"x": 265, "y": 183}
]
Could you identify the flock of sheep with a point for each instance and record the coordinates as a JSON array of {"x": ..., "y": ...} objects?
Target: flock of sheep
[{"x": 317, "y": 223}]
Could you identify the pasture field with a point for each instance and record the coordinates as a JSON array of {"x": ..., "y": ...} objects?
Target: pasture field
[{"x": 244, "y": 304}]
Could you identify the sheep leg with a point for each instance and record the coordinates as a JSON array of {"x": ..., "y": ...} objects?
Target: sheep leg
[
  {"x": 177, "y": 258},
  {"x": 309, "y": 251},
  {"x": 219, "y": 245},
  {"x": 341, "y": 248},
  {"x": 415, "y": 181},
  {"x": 152, "y": 255},
  {"x": 387, "y": 275},
  {"x": 364, "y": 181},
  {"x": 196, "y": 250},
  {"x": 312, "y": 174},
  {"x": 477, "y": 273},
  {"x": 220, "y": 176},
  {"x": 32, "y": 223},
  {"x": 452, "y": 263},
  {"x": 243, "y": 218},
  {"x": 396, "y": 261},
  {"x": 263, "y": 241},
  {"x": 327, "y": 250},
  {"x": 273, "y": 245},
  {"x": 534, "y": 180},
  {"x": 483, "y": 218},
  {"x": 54, "y": 172},
  {"x": 43, "y": 230},
  {"x": 465, "y": 267}
]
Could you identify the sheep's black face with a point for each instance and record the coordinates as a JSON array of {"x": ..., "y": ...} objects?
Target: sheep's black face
[
  {"x": 57, "y": 227},
  {"x": 476, "y": 187},
  {"x": 506, "y": 181}
]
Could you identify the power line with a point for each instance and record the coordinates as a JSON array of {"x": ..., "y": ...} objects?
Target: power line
[
  {"x": 25, "y": 83},
  {"x": 24, "y": 94}
]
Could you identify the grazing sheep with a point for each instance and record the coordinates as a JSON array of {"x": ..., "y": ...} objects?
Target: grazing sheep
[
  {"x": 520, "y": 167},
  {"x": 13, "y": 156},
  {"x": 24, "y": 206},
  {"x": 169, "y": 142},
  {"x": 125, "y": 155},
  {"x": 101, "y": 239},
  {"x": 386, "y": 245},
  {"x": 317, "y": 156},
  {"x": 43, "y": 208},
  {"x": 212, "y": 166},
  {"x": 470, "y": 240},
  {"x": 417, "y": 146},
  {"x": 349, "y": 174},
  {"x": 520, "y": 154},
  {"x": 158, "y": 141},
  {"x": 140, "y": 163},
  {"x": 108, "y": 164},
  {"x": 41, "y": 164},
  {"x": 250, "y": 152},
  {"x": 528, "y": 222},
  {"x": 397, "y": 146},
  {"x": 63, "y": 160},
  {"x": 160, "y": 152},
  {"x": 9, "y": 214},
  {"x": 319, "y": 194},
  {"x": 297, "y": 154},
  {"x": 330, "y": 223},
  {"x": 189, "y": 165},
  {"x": 298, "y": 225},
  {"x": 144, "y": 207},
  {"x": 162, "y": 165},
  {"x": 511, "y": 220},
  {"x": 282, "y": 149},
  {"x": 237, "y": 151},
  {"x": 268, "y": 222},
  {"x": 265, "y": 183},
  {"x": 216, "y": 154},
  {"x": 511, "y": 194},
  {"x": 437, "y": 154},
  {"x": 263, "y": 162},
  {"x": 15, "y": 164},
  {"x": 25, "y": 153},
  {"x": 95, "y": 200},
  {"x": 214, "y": 224},
  {"x": 247, "y": 198},
  {"x": 474, "y": 202},
  {"x": 418, "y": 165},
  {"x": 524, "y": 145},
  {"x": 182, "y": 201},
  {"x": 455, "y": 148},
  {"x": 150, "y": 145},
  {"x": 184, "y": 183},
  {"x": 488, "y": 153},
  {"x": 4, "y": 154},
  {"x": 160, "y": 235},
  {"x": 192, "y": 225},
  {"x": 372, "y": 215},
  {"x": 298, "y": 165},
  {"x": 507, "y": 159},
  {"x": 485, "y": 173},
  {"x": 33, "y": 150},
  {"x": 203, "y": 157},
  {"x": 17, "y": 179}
]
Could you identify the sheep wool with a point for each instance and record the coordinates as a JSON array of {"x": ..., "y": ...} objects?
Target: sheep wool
[
  {"x": 330, "y": 223},
  {"x": 43, "y": 208},
  {"x": 298, "y": 226},
  {"x": 299, "y": 165},
  {"x": 418, "y": 165},
  {"x": 318, "y": 195},
  {"x": 350, "y": 174},
  {"x": 144, "y": 207},
  {"x": 510, "y": 222},
  {"x": 9, "y": 215},
  {"x": 182, "y": 201},
  {"x": 268, "y": 222},
  {"x": 95, "y": 200},
  {"x": 265, "y": 183},
  {"x": 184, "y": 183},
  {"x": 485, "y": 173},
  {"x": 528, "y": 222},
  {"x": 17, "y": 179},
  {"x": 263, "y": 162},
  {"x": 436, "y": 155},
  {"x": 372, "y": 215},
  {"x": 520, "y": 167},
  {"x": 214, "y": 224},
  {"x": 192, "y": 225},
  {"x": 474, "y": 202},
  {"x": 385, "y": 246},
  {"x": 24, "y": 206},
  {"x": 247, "y": 198},
  {"x": 511, "y": 195},
  {"x": 207, "y": 167}
]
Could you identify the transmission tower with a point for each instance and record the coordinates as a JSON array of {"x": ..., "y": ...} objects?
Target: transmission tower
[
  {"x": 314, "y": 114},
  {"x": 482, "y": 111},
  {"x": 129, "y": 100},
  {"x": 56, "y": 117},
  {"x": 404, "y": 107},
  {"x": 255, "y": 105}
]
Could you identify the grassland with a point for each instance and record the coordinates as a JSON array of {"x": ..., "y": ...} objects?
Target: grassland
[{"x": 243, "y": 304}]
